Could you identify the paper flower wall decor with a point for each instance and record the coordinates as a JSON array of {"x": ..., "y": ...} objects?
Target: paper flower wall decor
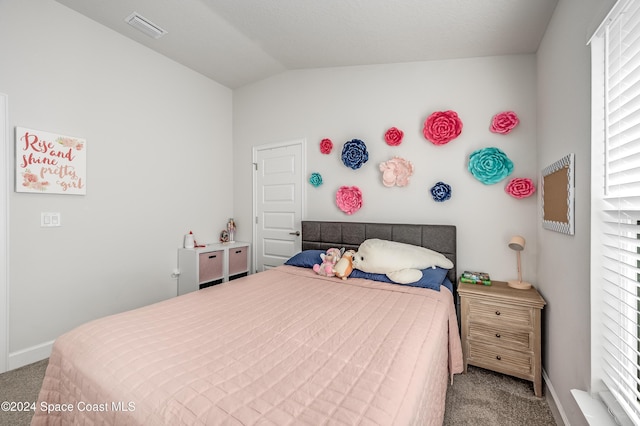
[
  {"x": 442, "y": 127},
  {"x": 490, "y": 165},
  {"x": 315, "y": 179},
  {"x": 504, "y": 122},
  {"x": 326, "y": 146},
  {"x": 396, "y": 172},
  {"x": 349, "y": 199},
  {"x": 393, "y": 136},
  {"x": 520, "y": 187},
  {"x": 354, "y": 154},
  {"x": 441, "y": 192}
]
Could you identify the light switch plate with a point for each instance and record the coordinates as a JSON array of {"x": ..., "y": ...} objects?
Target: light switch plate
[{"x": 49, "y": 219}]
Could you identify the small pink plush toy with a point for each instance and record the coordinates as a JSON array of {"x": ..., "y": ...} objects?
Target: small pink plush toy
[{"x": 329, "y": 260}]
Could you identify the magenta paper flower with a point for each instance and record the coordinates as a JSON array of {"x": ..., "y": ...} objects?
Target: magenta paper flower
[
  {"x": 504, "y": 122},
  {"x": 393, "y": 136},
  {"x": 520, "y": 187},
  {"x": 349, "y": 199},
  {"x": 396, "y": 172},
  {"x": 326, "y": 146},
  {"x": 442, "y": 127}
]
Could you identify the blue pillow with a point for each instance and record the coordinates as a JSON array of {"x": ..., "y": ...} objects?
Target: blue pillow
[
  {"x": 306, "y": 258},
  {"x": 431, "y": 278},
  {"x": 448, "y": 284}
]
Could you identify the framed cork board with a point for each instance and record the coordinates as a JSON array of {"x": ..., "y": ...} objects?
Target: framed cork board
[{"x": 557, "y": 195}]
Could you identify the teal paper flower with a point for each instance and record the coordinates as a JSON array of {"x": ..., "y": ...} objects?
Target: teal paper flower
[
  {"x": 490, "y": 165},
  {"x": 315, "y": 179}
]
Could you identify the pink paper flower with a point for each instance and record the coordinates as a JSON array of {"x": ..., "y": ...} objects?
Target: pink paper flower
[
  {"x": 394, "y": 136},
  {"x": 396, "y": 172},
  {"x": 326, "y": 146},
  {"x": 349, "y": 199},
  {"x": 520, "y": 187},
  {"x": 504, "y": 122},
  {"x": 442, "y": 127}
]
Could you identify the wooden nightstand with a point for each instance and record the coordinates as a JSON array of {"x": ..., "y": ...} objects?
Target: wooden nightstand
[{"x": 501, "y": 330}]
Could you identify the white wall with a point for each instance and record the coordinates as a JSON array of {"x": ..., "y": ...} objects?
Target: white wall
[
  {"x": 363, "y": 102},
  {"x": 158, "y": 157},
  {"x": 564, "y": 105}
]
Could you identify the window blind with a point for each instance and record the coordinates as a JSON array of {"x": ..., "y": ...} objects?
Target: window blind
[{"x": 620, "y": 208}]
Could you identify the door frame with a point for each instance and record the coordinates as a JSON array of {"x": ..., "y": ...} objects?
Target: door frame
[
  {"x": 302, "y": 142},
  {"x": 4, "y": 233}
]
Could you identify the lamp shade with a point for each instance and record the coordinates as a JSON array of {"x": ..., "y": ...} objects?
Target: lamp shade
[{"x": 517, "y": 243}]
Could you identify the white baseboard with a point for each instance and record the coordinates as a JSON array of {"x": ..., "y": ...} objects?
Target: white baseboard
[
  {"x": 29, "y": 355},
  {"x": 554, "y": 402}
]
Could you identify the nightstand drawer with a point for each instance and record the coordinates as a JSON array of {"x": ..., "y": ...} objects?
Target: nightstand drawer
[
  {"x": 501, "y": 337},
  {"x": 210, "y": 266},
  {"x": 496, "y": 314},
  {"x": 502, "y": 360},
  {"x": 238, "y": 260}
]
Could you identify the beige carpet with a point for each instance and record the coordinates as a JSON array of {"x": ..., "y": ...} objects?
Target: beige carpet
[
  {"x": 477, "y": 398},
  {"x": 482, "y": 397},
  {"x": 21, "y": 385}
]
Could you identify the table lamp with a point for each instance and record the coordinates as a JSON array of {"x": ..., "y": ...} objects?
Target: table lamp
[{"x": 517, "y": 243}]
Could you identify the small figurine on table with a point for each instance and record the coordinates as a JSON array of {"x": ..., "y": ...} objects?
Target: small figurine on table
[{"x": 231, "y": 229}]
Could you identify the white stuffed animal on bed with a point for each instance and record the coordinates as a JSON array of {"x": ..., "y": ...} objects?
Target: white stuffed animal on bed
[{"x": 401, "y": 263}]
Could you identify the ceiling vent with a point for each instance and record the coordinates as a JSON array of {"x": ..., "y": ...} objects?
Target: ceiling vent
[{"x": 143, "y": 24}]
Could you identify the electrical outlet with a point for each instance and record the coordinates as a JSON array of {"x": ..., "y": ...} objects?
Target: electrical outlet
[{"x": 50, "y": 219}]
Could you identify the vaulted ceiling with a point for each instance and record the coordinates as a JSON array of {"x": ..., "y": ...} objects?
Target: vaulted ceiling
[{"x": 238, "y": 42}]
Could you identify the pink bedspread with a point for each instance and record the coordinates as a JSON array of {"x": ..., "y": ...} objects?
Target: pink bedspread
[{"x": 281, "y": 347}]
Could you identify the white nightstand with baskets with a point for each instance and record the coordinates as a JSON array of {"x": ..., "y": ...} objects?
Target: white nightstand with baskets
[{"x": 216, "y": 263}]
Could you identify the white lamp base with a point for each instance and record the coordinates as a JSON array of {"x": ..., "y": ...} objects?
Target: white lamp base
[{"x": 520, "y": 285}]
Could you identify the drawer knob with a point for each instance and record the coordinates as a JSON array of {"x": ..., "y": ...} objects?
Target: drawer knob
[
  {"x": 498, "y": 335},
  {"x": 498, "y": 357},
  {"x": 238, "y": 251},
  {"x": 213, "y": 256},
  {"x": 497, "y": 312}
]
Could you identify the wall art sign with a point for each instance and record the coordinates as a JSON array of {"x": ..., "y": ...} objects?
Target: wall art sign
[
  {"x": 48, "y": 163},
  {"x": 557, "y": 195}
]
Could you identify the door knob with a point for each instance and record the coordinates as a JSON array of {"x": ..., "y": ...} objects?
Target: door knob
[{"x": 297, "y": 233}]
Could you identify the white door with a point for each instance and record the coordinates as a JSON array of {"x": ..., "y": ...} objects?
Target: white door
[
  {"x": 278, "y": 202},
  {"x": 4, "y": 226}
]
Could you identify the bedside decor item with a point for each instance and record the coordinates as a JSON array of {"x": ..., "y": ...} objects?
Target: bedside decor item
[
  {"x": 396, "y": 172},
  {"x": 472, "y": 277},
  {"x": 520, "y": 187},
  {"x": 50, "y": 163},
  {"x": 326, "y": 146},
  {"x": 441, "y": 127},
  {"x": 517, "y": 243},
  {"x": 557, "y": 195},
  {"x": 393, "y": 136},
  {"x": 504, "y": 122},
  {"x": 354, "y": 154},
  {"x": 349, "y": 199},
  {"x": 490, "y": 165},
  {"x": 231, "y": 229},
  {"x": 315, "y": 179},
  {"x": 441, "y": 192},
  {"x": 189, "y": 241}
]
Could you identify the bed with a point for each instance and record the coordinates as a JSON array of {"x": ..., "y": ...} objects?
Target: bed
[{"x": 281, "y": 347}]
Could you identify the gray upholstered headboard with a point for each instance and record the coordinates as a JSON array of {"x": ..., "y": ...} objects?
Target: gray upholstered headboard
[{"x": 323, "y": 235}]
